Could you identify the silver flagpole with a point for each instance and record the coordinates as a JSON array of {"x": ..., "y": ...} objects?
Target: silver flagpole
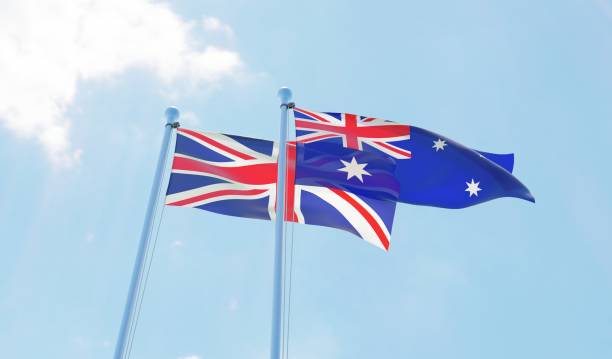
[
  {"x": 279, "y": 242},
  {"x": 172, "y": 114}
]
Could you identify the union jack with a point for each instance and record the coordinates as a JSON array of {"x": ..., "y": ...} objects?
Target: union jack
[
  {"x": 236, "y": 176},
  {"x": 355, "y": 131}
]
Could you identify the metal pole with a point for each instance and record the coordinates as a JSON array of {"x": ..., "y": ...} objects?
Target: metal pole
[
  {"x": 172, "y": 114},
  {"x": 279, "y": 242}
]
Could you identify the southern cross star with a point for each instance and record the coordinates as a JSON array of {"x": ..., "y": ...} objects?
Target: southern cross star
[
  {"x": 473, "y": 188},
  {"x": 439, "y": 144},
  {"x": 354, "y": 169}
]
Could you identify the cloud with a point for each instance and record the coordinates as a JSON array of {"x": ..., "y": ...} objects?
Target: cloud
[
  {"x": 189, "y": 119},
  {"x": 48, "y": 48},
  {"x": 215, "y": 25},
  {"x": 190, "y": 357}
]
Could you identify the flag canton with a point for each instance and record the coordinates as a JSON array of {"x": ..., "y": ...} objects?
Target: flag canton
[
  {"x": 219, "y": 172},
  {"x": 353, "y": 131}
]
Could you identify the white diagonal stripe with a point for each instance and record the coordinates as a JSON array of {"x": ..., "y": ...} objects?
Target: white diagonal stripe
[
  {"x": 229, "y": 142},
  {"x": 237, "y": 163},
  {"x": 180, "y": 196},
  {"x": 349, "y": 212}
]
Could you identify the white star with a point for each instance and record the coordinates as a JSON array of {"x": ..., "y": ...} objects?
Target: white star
[
  {"x": 439, "y": 144},
  {"x": 354, "y": 169},
  {"x": 473, "y": 188}
]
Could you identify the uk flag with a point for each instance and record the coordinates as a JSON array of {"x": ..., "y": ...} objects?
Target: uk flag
[
  {"x": 236, "y": 176},
  {"x": 354, "y": 131}
]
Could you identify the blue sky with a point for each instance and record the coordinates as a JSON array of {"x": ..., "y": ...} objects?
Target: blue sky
[{"x": 81, "y": 111}]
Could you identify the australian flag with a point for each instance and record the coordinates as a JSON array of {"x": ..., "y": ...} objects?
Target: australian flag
[
  {"x": 432, "y": 170},
  {"x": 328, "y": 186}
]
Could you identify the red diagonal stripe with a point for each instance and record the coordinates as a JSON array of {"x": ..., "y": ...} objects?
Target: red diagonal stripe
[
  {"x": 311, "y": 114},
  {"x": 262, "y": 173},
  {"x": 394, "y": 149},
  {"x": 217, "y": 144},
  {"x": 317, "y": 138},
  {"x": 368, "y": 217}
]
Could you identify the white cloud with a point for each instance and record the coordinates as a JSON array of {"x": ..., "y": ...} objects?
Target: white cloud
[
  {"x": 190, "y": 357},
  {"x": 47, "y": 48},
  {"x": 189, "y": 119},
  {"x": 215, "y": 25}
]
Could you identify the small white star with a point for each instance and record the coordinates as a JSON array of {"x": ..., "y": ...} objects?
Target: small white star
[
  {"x": 473, "y": 188},
  {"x": 354, "y": 169},
  {"x": 439, "y": 144}
]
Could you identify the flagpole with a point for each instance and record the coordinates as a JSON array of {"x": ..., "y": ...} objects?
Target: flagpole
[
  {"x": 284, "y": 94},
  {"x": 172, "y": 114}
]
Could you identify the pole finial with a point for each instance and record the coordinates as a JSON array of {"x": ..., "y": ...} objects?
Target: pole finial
[
  {"x": 172, "y": 114},
  {"x": 285, "y": 95}
]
